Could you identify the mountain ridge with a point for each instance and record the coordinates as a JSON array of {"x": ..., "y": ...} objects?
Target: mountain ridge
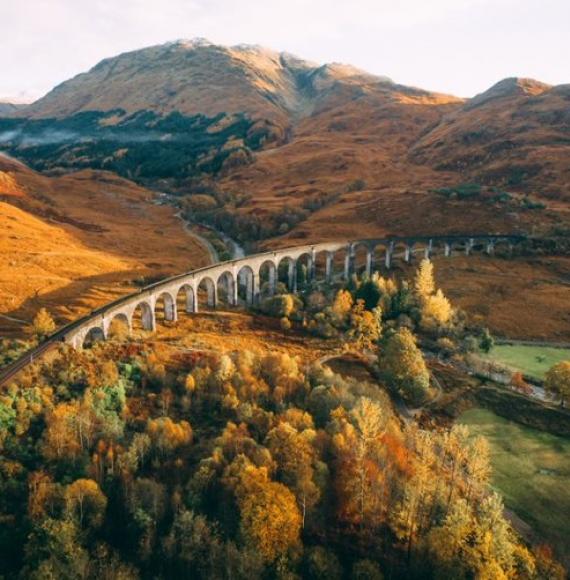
[{"x": 241, "y": 78}]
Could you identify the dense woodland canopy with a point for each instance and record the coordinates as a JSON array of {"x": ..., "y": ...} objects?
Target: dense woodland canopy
[{"x": 121, "y": 462}]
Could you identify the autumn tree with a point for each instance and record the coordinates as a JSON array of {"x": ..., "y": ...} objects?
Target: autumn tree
[
  {"x": 56, "y": 547},
  {"x": 478, "y": 542},
  {"x": 43, "y": 324},
  {"x": 557, "y": 381},
  {"x": 61, "y": 438},
  {"x": 477, "y": 467},
  {"x": 454, "y": 446},
  {"x": 365, "y": 326},
  {"x": 402, "y": 362},
  {"x": 519, "y": 384},
  {"x": 493, "y": 551},
  {"x": 85, "y": 502},
  {"x": 43, "y": 495},
  {"x": 341, "y": 307},
  {"x": 360, "y": 472},
  {"x": 419, "y": 492},
  {"x": 269, "y": 517},
  {"x": 270, "y": 520},
  {"x": 295, "y": 459},
  {"x": 436, "y": 311},
  {"x": 105, "y": 374},
  {"x": 168, "y": 435},
  {"x": 135, "y": 456},
  {"x": 448, "y": 542},
  {"x": 281, "y": 371},
  {"x": 424, "y": 283},
  {"x": 282, "y": 305}
]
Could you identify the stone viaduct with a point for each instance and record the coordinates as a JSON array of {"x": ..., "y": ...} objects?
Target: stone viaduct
[{"x": 243, "y": 281}]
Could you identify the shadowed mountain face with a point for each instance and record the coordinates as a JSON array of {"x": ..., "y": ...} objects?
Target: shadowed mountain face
[
  {"x": 278, "y": 146},
  {"x": 7, "y": 108}
]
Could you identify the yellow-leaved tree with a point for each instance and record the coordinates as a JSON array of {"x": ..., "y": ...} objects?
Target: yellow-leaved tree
[
  {"x": 365, "y": 326},
  {"x": 402, "y": 362},
  {"x": 341, "y": 306},
  {"x": 424, "y": 283},
  {"x": 436, "y": 310},
  {"x": 85, "y": 502},
  {"x": 557, "y": 381},
  {"x": 270, "y": 518},
  {"x": 43, "y": 324}
]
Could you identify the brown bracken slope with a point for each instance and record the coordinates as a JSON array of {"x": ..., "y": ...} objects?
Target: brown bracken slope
[{"x": 73, "y": 242}]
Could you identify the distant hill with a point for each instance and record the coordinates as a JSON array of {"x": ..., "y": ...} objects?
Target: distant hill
[
  {"x": 7, "y": 107},
  {"x": 515, "y": 135}
]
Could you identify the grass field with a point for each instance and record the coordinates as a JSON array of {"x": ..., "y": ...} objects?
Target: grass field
[
  {"x": 531, "y": 469},
  {"x": 533, "y": 361}
]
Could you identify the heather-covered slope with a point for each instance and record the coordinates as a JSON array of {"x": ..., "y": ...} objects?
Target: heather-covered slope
[{"x": 515, "y": 135}]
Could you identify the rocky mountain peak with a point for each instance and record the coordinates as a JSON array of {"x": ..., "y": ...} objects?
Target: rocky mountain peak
[{"x": 509, "y": 87}]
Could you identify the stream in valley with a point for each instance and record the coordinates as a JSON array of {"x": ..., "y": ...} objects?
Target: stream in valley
[{"x": 234, "y": 248}]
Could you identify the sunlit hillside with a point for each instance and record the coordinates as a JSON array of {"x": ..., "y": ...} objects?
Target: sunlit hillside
[{"x": 71, "y": 243}]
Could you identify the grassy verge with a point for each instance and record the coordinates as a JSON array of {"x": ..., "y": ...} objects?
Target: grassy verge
[
  {"x": 533, "y": 361},
  {"x": 532, "y": 472}
]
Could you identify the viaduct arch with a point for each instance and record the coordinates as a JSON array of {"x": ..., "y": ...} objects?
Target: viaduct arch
[{"x": 241, "y": 281}]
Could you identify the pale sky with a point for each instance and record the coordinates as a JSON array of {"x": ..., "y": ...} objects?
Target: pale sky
[{"x": 454, "y": 46}]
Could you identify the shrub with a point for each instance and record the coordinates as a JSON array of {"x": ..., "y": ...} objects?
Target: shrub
[
  {"x": 356, "y": 185},
  {"x": 281, "y": 305},
  {"x": 285, "y": 324}
]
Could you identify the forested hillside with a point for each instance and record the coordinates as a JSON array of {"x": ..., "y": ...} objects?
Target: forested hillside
[{"x": 187, "y": 454}]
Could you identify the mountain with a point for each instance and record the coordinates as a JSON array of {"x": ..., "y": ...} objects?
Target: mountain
[
  {"x": 285, "y": 149},
  {"x": 514, "y": 135},
  {"x": 275, "y": 151},
  {"x": 197, "y": 77}
]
